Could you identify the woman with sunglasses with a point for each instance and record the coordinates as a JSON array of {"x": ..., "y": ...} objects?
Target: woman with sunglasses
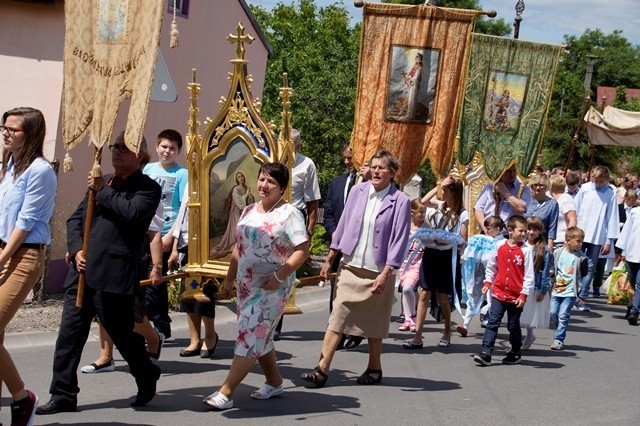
[{"x": 27, "y": 193}]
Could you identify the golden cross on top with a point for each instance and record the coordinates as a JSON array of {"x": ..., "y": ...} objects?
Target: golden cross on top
[{"x": 240, "y": 39}]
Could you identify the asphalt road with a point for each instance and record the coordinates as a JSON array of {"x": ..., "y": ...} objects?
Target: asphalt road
[{"x": 595, "y": 380}]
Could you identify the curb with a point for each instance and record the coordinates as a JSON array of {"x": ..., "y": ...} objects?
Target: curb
[{"x": 305, "y": 297}]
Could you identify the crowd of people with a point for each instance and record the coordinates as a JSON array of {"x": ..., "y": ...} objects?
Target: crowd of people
[{"x": 540, "y": 250}]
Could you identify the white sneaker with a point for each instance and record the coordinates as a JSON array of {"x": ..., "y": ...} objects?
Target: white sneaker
[
  {"x": 557, "y": 345},
  {"x": 218, "y": 401},
  {"x": 102, "y": 368},
  {"x": 266, "y": 391},
  {"x": 582, "y": 307}
]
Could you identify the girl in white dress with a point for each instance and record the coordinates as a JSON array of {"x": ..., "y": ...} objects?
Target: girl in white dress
[{"x": 536, "y": 311}]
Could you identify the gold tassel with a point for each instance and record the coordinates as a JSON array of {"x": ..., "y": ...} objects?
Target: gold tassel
[
  {"x": 67, "y": 164},
  {"x": 173, "y": 40},
  {"x": 96, "y": 170}
]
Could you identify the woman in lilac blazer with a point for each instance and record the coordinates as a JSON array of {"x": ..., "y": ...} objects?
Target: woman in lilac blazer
[{"x": 372, "y": 236}]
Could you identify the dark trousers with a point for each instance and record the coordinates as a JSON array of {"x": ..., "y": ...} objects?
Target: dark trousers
[
  {"x": 498, "y": 309},
  {"x": 115, "y": 312},
  {"x": 156, "y": 302}
]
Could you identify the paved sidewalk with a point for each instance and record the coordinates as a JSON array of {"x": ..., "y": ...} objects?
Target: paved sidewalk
[{"x": 305, "y": 296}]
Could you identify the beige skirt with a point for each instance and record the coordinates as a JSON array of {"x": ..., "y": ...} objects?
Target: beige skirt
[{"x": 357, "y": 311}]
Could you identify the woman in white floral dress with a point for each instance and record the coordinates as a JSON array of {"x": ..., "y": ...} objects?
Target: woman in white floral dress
[{"x": 271, "y": 243}]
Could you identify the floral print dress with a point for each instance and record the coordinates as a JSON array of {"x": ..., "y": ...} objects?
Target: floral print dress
[{"x": 264, "y": 242}]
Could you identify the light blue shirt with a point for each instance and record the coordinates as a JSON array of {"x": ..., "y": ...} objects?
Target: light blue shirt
[
  {"x": 27, "y": 203},
  {"x": 173, "y": 183},
  {"x": 597, "y": 214}
]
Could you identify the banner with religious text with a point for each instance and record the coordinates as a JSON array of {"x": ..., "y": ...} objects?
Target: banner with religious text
[
  {"x": 412, "y": 61},
  {"x": 508, "y": 93},
  {"x": 110, "y": 51}
]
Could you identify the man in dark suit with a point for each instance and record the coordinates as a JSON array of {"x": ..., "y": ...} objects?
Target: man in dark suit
[
  {"x": 336, "y": 197},
  {"x": 125, "y": 204}
]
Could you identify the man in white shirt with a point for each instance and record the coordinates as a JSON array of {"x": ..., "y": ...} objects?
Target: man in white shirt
[
  {"x": 598, "y": 218},
  {"x": 305, "y": 191},
  {"x": 510, "y": 199}
]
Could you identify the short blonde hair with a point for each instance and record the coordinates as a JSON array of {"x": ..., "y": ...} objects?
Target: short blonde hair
[
  {"x": 558, "y": 184},
  {"x": 573, "y": 232},
  {"x": 539, "y": 179},
  {"x": 601, "y": 171}
]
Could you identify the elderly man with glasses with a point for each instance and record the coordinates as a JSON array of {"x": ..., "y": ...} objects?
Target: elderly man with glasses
[{"x": 125, "y": 204}]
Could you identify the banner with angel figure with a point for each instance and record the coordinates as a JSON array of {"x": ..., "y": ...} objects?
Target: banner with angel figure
[
  {"x": 412, "y": 61},
  {"x": 507, "y": 96}
]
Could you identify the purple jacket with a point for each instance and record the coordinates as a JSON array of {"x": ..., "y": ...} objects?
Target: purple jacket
[{"x": 392, "y": 225}]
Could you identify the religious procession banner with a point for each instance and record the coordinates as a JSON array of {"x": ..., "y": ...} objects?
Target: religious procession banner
[
  {"x": 110, "y": 51},
  {"x": 508, "y": 93},
  {"x": 412, "y": 61},
  {"x": 613, "y": 127}
]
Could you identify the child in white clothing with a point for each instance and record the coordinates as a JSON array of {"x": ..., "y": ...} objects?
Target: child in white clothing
[
  {"x": 474, "y": 261},
  {"x": 536, "y": 311}
]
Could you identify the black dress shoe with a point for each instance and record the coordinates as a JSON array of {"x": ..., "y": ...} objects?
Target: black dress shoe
[
  {"x": 208, "y": 353},
  {"x": 189, "y": 352},
  {"x": 146, "y": 388},
  {"x": 53, "y": 407},
  {"x": 352, "y": 342}
]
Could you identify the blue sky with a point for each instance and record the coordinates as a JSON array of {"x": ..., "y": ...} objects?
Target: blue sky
[{"x": 543, "y": 20}]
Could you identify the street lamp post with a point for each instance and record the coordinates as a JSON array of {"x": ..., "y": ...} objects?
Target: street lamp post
[{"x": 518, "y": 19}]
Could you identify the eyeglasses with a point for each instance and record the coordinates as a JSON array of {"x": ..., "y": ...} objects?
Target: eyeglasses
[
  {"x": 121, "y": 148},
  {"x": 11, "y": 130}
]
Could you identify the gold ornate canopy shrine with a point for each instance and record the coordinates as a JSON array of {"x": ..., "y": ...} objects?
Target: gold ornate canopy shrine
[{"x": 223, "y": 165}]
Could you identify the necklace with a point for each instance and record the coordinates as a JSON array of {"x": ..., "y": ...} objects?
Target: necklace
[{"x": 272, "y": 207}]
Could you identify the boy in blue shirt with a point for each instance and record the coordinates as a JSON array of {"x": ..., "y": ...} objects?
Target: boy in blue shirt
[{"x": 570, "y": 263}]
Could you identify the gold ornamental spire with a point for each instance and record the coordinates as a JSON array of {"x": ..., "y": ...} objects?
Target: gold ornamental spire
[{"x": 240, "y": 38}]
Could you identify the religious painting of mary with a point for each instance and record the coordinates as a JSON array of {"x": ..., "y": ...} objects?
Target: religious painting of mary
[
  {"x": 232, "y": 181},
  {"x": 412, "y": 84},
  {"x": 504, "y": 99}
]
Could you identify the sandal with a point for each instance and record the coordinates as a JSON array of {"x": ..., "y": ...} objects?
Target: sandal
[
  {"x": 409, "y": 344},
  {"x": 367, "y": 379},
  {"x": 316, "y": 377},
  {"x": 443, "y": 343},
  {"x": 266, "y": 391}
]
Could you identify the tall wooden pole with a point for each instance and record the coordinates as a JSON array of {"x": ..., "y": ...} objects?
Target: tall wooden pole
[{"x": 91, "y": 212}]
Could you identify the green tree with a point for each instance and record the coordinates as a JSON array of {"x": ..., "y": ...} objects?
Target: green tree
[
  {"x": 318, "y": 48},
  {"x": 617, "y": 63}
]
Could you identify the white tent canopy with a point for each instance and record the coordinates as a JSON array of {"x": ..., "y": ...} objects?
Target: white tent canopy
[{"x": 613, "y": 127}]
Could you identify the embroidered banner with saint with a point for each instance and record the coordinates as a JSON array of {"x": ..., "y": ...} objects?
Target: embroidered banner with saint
[
  {"x": 110, "y": 51},
  {"x": 412, "y": 61},
  {"x": 508, "y": 93}
]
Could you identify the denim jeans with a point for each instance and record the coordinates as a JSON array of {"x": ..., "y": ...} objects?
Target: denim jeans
[
  {"x": 560, "y": 314},
  {"x": 634, "y": 279},
  {"x": 592, "y": 252},
  {"x": 498, "y": 308}
]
